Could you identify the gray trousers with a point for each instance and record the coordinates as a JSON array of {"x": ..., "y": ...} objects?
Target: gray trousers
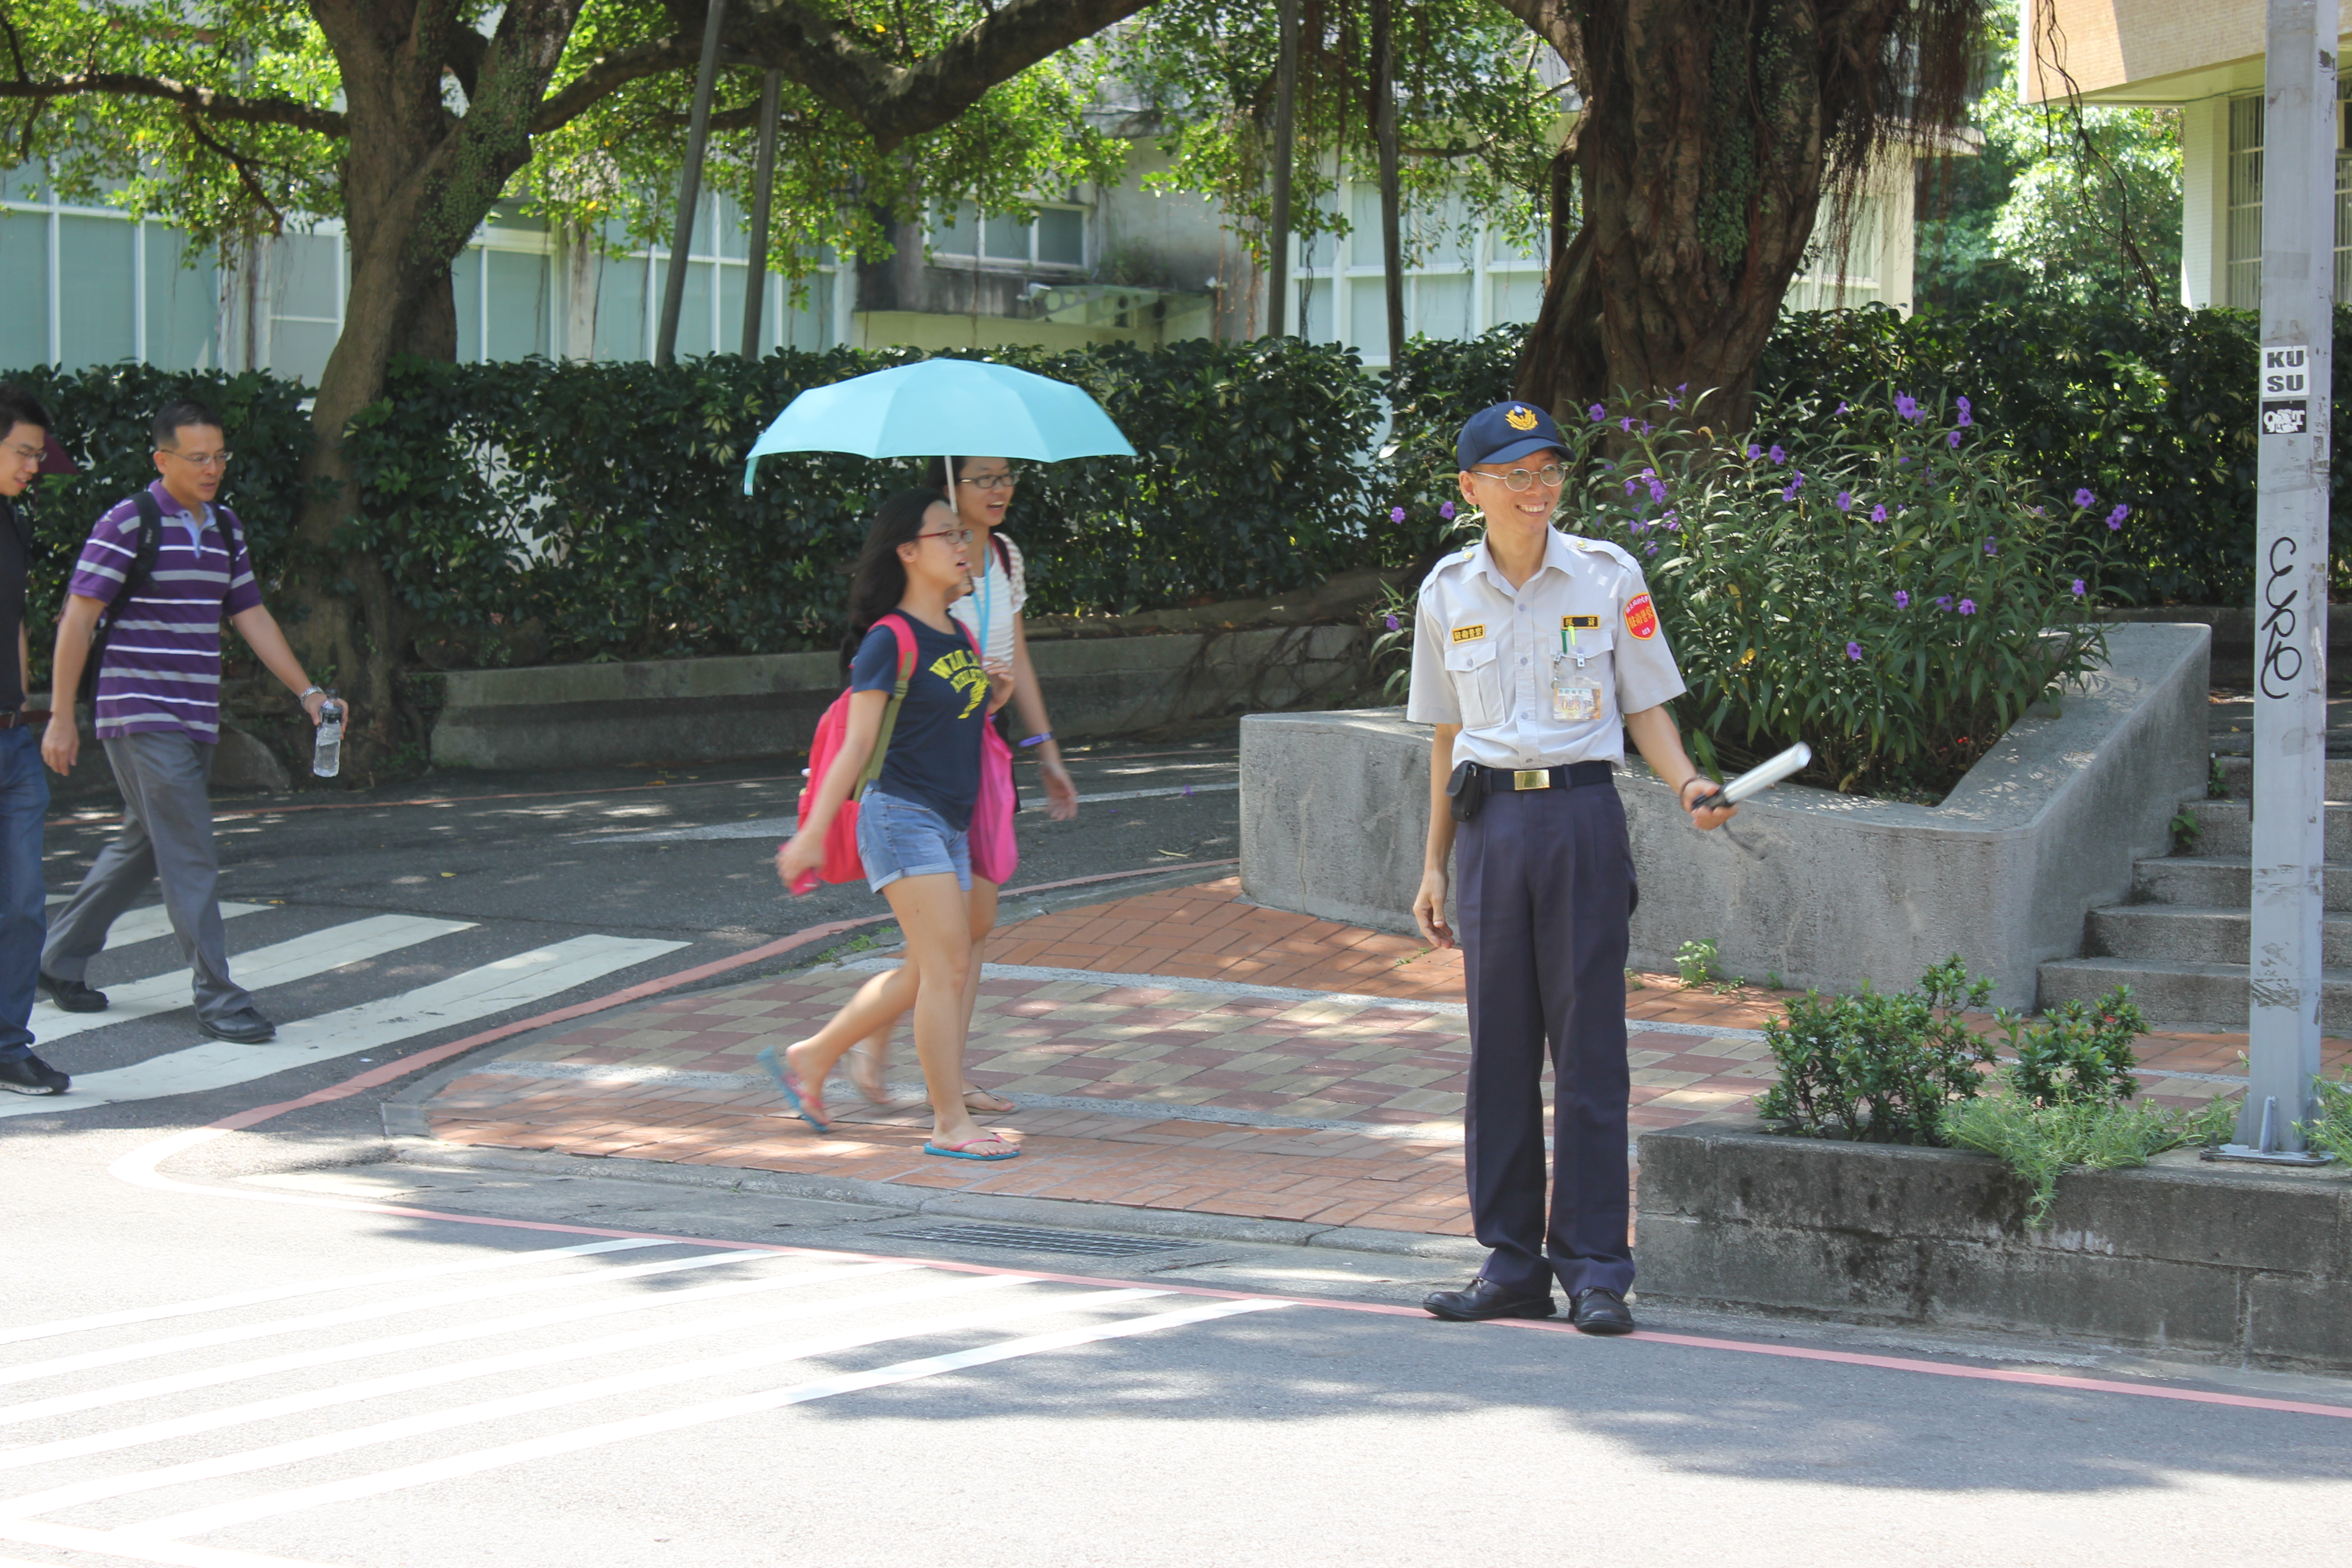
[{"x": 167, "y": 836}]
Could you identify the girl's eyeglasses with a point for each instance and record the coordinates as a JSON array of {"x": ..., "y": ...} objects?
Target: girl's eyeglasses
[{"x": 959, "y": 535}]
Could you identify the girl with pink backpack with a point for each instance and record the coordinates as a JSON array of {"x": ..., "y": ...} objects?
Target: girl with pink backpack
[{"x": 920, "y": 698}]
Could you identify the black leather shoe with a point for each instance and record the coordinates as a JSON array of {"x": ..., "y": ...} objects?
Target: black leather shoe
[
  {"x": 243, "y": 1027},
  {"x": 31, "y": 1075},
  {"x": 72, "y": 995},
  {"x": 1594, "y": 1310},
  {"x": 1484, "y": 1298}
]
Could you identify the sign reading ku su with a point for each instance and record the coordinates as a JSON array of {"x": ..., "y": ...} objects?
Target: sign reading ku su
[{"x": 2287, "y": 390}]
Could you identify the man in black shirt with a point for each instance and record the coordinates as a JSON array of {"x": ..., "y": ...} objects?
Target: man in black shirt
[{"x": 24, "y": 788}]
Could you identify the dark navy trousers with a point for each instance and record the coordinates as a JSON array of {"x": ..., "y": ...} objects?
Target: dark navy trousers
[{"x": 1544, "y": 887}]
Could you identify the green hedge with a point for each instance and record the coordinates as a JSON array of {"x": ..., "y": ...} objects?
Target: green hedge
[{"x": 614, "y": 513}]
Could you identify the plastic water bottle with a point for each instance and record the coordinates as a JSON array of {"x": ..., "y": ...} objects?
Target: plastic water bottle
[{"x": 326, "y": 756}]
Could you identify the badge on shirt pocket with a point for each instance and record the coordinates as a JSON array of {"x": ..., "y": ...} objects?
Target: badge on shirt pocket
[{"x": 1581, "y": 674}]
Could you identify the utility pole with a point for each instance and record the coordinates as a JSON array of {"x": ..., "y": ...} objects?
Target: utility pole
[
  {"x": 2299, "y": 140},
  {"x": 689, "y": 189},
  {"x": 1285, "y": 102},
  {"x": 1384, "y": 131},
  {"x": 763, "y": 187}
]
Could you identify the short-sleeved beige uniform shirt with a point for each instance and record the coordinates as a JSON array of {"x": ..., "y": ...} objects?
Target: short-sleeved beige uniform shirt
[{"x": 1485, "y": 654}]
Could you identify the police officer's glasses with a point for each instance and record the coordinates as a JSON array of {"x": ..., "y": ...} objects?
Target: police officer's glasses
[
  {"x": 1551, "y": 476},
  {"x": 1003, "y": 482}
]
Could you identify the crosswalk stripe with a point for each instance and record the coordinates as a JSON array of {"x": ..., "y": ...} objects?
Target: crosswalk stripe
[
  {"x": 482, "y": 1366},
  {"x": 178, "y": 1554},
  {"x": 98, "y": 1489},
  {"x": 317, "y": 1287},
  {"x": 305, "y": 1448},
  {"x": 197, "y": 1521},
  {"x": 154, "y": 920},
  {"x": 492, "y": 988},
  {"x": 147, "y": 1350},
  {"x": 280, "y": 964}
]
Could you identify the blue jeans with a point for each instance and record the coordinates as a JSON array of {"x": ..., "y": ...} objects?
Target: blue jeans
[{"x": 24, "y": 914}]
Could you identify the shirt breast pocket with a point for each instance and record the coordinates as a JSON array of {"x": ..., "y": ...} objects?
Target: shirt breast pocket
[
  {"x": 1478, "y": 682},
  {"x": 1584, "y": 680}
]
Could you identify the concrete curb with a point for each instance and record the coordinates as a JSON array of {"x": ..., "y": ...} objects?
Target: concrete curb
[{"x": 413, "y": 1146}]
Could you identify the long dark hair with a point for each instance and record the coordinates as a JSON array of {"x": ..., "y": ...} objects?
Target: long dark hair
[
  {"x": 935, "y": 473},
  {"x": 880, "y": 581}
]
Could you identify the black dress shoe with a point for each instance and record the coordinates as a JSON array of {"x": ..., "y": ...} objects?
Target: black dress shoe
[
  {"x": 1482, "y": 1298},
  {"x": 72, "y": 995},
  {"x": 243, "y": 1027},
  {"x": 1594, "y": 1310},
  {"x": 31, "y": 1075}
]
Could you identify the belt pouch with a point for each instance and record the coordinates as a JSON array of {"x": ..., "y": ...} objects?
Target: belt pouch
[{"x": 1468, "y": 790}]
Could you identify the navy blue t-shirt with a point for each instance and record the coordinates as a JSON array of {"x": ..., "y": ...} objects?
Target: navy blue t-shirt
[{"x": 934, "y": 755}]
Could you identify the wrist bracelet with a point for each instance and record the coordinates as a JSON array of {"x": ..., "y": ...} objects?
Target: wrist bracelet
[
  {"x": 307, "y": 690},
  {"x": 1038, "y": 739}
]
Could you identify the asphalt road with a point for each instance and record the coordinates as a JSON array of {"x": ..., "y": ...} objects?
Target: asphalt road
[{"x": 290, "y": 1345}]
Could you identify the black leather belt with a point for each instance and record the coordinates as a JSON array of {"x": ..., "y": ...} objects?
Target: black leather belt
[
  {"x": 27, "y": 718},
  {"x": 1570, "y": 775}
]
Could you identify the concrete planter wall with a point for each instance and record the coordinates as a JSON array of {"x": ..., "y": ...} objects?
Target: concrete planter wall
[
  {"x": 2232, "y": 1261},
  {"x": 1823, "y": 888},
  {"x": 689, "y": 709}
]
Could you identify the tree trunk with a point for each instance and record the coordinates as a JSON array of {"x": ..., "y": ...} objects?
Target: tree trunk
[{"x": 1700, "y": 160}]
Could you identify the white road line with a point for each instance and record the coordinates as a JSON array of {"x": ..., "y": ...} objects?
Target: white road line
[
  {"x": 147, "y": 1350},
  {"x": 74, "y": 1494},
  {"x": 276, "y": 964},
  {"x": 493, "y": 988},
  {"x": 483, "y": 1366},
  {"x": 305, "y": 1448},
  {"x": 154, "y": 920},
  {"x": 74, "y": 1537},
  {"x": 785, "y": 827},
  {"x": 317, "y": 1287},
  {"x": 197, "y": 1521}
]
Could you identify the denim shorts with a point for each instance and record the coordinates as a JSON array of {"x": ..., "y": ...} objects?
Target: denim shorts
[{"x": 898, "y": 838}]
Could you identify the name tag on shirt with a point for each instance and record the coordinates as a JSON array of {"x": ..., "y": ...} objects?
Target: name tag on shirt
[
  {"x": 1579, "y": 622},
  {"x": 1470, "y": 634}
]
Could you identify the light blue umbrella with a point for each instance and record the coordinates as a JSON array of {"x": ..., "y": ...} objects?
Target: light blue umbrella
[{"x": 942, "y": 408}]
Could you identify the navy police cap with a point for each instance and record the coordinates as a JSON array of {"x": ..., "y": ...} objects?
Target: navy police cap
[{"x": 1505, "y": 432}]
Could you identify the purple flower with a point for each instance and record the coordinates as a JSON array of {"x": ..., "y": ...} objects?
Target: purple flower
[
  {"x": 1682, "y": 386},
  {"x": 1965, "y": 420},
  {"x": 2084, "y": 497},
  {"x": 1953, "y": 439},
  {"x": 1647, "y": 428},
  {"x": 1629, "y": 484},
  {"x": 1845, "y": 501},
  {"x": 1943, "y": 601},
  {"x": 1901, "y": 596},
  {"x": 1900, "y": 461},
  {"x": 1626, "y": 424},
  {"x": 1967, "y": 606},
  {"x": 1446, "y": 512},
  {"x": 1392, "y": 622},
  {"x": 2078, "y": 587},
  {"x": 1754, "y": 451},
  {"x": 1840, "y": 408},
  {"x": 1853, "y": 651},
  {"x": 1598, "y": 413},
  {"x": 1653, "y": 549},
  {"x": 1672, "y": 526},
  {"x": 1396, "y": 514},
  {"x": 1657, "y": 490},
  {"x": 1988, "y": 549},
  {"x": 1777, "y": 454},
  {"x": 1906, "y": 405},
  {"x": 1878, "y": 513},
  {"x": 2115, "y": 518}
]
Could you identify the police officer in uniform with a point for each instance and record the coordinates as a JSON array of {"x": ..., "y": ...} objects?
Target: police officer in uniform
[{"x": 1535, "y": 654}]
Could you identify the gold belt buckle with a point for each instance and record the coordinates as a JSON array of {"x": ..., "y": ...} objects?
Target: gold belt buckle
[{"x": 1531, "y": 778}]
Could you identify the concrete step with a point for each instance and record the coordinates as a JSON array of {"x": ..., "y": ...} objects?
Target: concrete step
[
  {"x": 2219, "y": 881},
  {"x": 2229, "y": 828},
  {"x": 2180, "y": 995},
  {"x": 2185, "y": 933},
  {"x": 2238, "y": 777}
]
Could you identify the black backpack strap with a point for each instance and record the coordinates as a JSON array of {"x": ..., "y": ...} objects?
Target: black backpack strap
[{"x": 150, "y": 543}]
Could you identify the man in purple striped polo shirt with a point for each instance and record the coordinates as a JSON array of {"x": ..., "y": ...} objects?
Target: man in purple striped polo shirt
[{"x": 159, "y": 716}]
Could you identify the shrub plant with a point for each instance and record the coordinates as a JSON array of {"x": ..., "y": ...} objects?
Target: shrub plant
[
  {"x": 2332, "y": 1133},
  {"x": 2039, "y": 1142},
  {"x": 1876, "y": 1068}
]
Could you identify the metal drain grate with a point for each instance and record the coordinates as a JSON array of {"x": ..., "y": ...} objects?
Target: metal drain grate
[{"x": 1030, "y": 1238}]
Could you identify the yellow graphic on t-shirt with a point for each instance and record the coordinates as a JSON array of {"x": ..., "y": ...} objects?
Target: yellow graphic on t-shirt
[{"x": 962, "y": 671}]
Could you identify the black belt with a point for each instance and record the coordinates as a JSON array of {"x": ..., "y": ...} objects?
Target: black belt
[
  {"x": 1569, "y": 775},
  {"x": 10, "y": 721}
]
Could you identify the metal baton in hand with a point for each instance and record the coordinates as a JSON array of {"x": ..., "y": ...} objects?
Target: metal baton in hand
[{"x": 1758, "y": 779}]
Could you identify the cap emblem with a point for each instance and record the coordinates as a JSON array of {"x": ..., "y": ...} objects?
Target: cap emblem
[{"x": 1520, "y": 418}]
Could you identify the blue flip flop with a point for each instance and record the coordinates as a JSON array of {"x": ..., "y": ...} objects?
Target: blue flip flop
[
  {"x": 965, "y": 1152},
  {"x": 792, "y": 1086}
]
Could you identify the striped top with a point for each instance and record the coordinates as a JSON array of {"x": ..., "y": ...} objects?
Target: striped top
[{"x": 163, "y": 661}]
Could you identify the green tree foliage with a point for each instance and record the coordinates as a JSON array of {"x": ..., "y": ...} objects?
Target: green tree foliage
[
  {"x": 1474, "y": 121},
  {"x": 2040, "y": 212}
]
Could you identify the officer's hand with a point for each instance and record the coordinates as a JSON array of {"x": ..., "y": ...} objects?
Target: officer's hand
[
  {"x": 1429, "y": 910},
  {"x": 1710, "y": 816}
]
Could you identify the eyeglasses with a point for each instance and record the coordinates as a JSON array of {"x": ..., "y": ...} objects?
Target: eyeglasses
[
  {"x": 199, "y": 459},
  {"x": 30, "y": 454},
  {"x": 959, "y": 535},
  {"x": 1003, "y": 482},
  {"x": 1551, "y": 476}
]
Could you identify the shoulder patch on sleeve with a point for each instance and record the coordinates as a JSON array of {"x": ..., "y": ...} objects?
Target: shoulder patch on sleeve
[{"x": 1642, "y": 617}]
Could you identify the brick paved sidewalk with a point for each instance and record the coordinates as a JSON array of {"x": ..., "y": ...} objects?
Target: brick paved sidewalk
[{"x": 1171, "y": 1051}]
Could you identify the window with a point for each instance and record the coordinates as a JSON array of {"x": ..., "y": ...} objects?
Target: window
[
  {"x": 1056, "y": 239},
  {"x": 2244, "y": 231}
]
